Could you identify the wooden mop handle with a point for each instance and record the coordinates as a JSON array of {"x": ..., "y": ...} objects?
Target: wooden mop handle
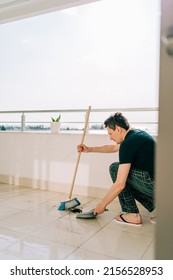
[{"x": 79, "y": 154}]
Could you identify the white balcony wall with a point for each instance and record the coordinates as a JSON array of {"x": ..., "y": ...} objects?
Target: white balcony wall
[{"x": 47, "y": 161}]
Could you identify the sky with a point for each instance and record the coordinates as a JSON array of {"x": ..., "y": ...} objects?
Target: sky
[{"x": 103, "y": 54}]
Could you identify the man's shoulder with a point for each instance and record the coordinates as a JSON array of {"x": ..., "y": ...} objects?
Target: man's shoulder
[
  {"x": 139, "y": 133},
  {"x": 136, "y": 137}
]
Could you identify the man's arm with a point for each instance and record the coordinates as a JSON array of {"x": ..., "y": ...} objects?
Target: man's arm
[
  {"x": 98, "y": 149},
  {"x": 116, "y": 188}
]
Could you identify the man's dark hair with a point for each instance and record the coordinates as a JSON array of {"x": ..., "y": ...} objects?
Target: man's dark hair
[{"x": 117, "y": 119}]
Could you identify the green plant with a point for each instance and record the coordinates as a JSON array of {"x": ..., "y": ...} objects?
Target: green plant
[{"x": 56, "y": 119}]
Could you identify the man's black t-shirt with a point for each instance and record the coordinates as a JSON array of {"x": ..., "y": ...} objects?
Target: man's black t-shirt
[{"x": 138, "y": 148}]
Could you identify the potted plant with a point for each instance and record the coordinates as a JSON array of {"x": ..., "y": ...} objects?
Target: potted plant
[{"x": 55, "y": 124}]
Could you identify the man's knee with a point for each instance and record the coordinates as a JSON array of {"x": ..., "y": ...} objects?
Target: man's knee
[{"x": 113, "y": 169}]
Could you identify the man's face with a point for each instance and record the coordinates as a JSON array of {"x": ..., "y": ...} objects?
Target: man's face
[{"x": 115, "y": 135}]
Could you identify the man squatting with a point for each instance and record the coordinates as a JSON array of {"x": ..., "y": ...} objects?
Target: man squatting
[{"x": 133, "y": 176}]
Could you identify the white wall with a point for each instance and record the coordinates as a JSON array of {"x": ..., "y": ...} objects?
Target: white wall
[
  {"x": 164, "y": 186},
  {"x": 47, "y": 161}
]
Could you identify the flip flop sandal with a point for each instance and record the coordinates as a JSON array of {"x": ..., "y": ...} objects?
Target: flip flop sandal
[
  {"x": 124, "y": 222},
  {"x": 153, "y": 220}
]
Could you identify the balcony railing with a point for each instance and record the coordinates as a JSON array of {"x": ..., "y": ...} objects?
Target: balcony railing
[{"x": 73, "y": 119}]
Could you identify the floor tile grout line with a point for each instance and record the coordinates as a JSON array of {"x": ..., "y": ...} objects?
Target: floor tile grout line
[
  {"x": 89, "y": 239},
  {"x": 147, "y": 249},
  {"x": 54, "y": 219}
]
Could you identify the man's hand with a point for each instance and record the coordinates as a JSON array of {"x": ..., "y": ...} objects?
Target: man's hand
[
  {"x": 100, "y": 208},
  {"x": 83, "y": 148}
]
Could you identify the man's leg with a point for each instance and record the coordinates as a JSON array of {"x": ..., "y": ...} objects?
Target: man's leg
[
  {"x": 139, "y": 187},
  {"x": 126, "y": 198},
  {"x": 142, "y": 188}
]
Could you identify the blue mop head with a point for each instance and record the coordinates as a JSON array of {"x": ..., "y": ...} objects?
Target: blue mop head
[{"x": 68, "y": 204}]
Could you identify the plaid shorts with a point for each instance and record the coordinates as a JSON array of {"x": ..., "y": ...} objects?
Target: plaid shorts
[{"x": 139, "y": 187}]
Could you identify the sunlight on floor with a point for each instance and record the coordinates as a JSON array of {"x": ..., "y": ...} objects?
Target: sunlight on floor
[{"x": 32, "y": 228}]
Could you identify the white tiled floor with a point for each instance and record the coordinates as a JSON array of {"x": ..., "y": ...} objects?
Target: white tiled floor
[{"x": 31, "y": 227}]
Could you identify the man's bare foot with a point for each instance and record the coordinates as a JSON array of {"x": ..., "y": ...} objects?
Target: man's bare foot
[{"x": 129, "y": 218}]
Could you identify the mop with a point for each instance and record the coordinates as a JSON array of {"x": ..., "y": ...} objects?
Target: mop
[{"x": 73, "y": 202}]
